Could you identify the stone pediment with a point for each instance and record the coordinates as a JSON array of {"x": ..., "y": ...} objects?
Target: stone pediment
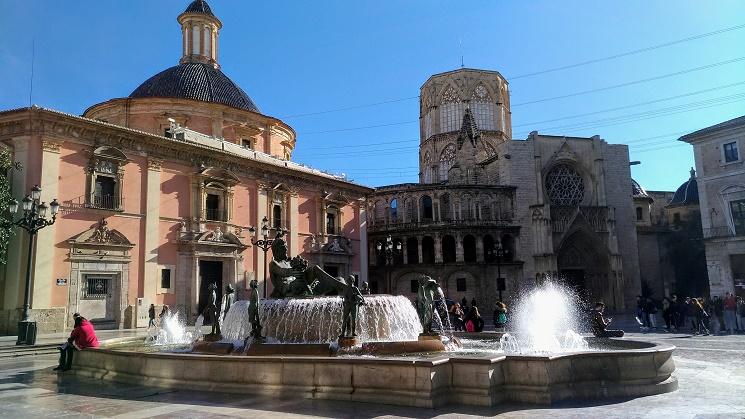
[
  {"x": 218, "y": 174},
  {"x": 212, "y": 238},
  {"x": 101, "y": 235},
  {"x": 565, "y": 152}
]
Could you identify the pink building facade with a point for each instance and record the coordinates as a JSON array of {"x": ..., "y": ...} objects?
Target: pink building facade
[{"x": 158, "y": 193}]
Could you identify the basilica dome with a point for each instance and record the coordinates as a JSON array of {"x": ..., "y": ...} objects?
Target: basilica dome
[
  {"x": 687, "y": 193},
  {"x": 196, "y": 81}
]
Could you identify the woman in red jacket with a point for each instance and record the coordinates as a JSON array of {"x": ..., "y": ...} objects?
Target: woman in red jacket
[{"x": 82, "y": 336}]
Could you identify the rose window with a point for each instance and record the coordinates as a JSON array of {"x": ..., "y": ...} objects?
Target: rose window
[{"x": 564, "y": 186}]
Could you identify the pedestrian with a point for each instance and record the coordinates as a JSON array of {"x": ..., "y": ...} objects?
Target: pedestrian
[
  {"x": 641, "y": 318},
  {"x": 473, "y": 302},
  {"x": 151, "y": 316},
  {"x": 474, "y": 321},
  {"x": 718, "y": 317},
  {"x": 730, "y": 309},
  {"x": 456, "y": 317},
  {"x": 651, "y": 309},
  {"x": 667, "y": 314},
  {"x": 464, "y": 303},
  {"x": 164, "y": 313},
  {"x": 740, "y": 314},
  {"x": 682, "y": 312},
  {"x": 600, "y": 323},
  {"x": 500, "y": 315},
  {"x": 674, "y": 312},
  {"x": 690, "y": 313},
  {"x": 82, "y": 336},
  {"x": 700, "y": 315}
]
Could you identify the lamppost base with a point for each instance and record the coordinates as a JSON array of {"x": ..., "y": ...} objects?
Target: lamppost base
[{"x": 26, "y": 332}]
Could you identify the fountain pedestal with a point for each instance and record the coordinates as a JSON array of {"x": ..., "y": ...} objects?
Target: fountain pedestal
[
  {"x": 347, "y": 341},
  {"x": 212, "y": 337}
]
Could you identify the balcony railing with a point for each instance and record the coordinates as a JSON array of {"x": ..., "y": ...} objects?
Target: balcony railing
[
  {"x": 381, "y": 225},
  {"x": 109, "y": 202},
  {"x": 215, "y": 214}
]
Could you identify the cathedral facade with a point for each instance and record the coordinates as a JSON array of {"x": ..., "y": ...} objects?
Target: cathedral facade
[
  {"x": 489, "y": 207},
  {"x": 159, "y": 192}
]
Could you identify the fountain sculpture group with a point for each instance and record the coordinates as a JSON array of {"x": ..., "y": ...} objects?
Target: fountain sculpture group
[{"x": 321, "y": 318}]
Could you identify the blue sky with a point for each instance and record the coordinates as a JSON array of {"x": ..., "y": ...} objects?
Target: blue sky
[{"x": 304, "y": 57}]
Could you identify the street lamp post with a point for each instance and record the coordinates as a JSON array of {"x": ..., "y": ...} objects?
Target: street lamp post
[
  {"x": 32, "y": 220},
  {"x": 498, "y": 252},
  {"x": 389, "y": 251},
  {"x": 264, "y": 243}
]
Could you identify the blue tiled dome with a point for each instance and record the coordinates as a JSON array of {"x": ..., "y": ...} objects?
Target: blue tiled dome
[
  {"x": 199, "y": 6},
  {"x": 196, "y": 81},
  {"x": 687, "y": 193}
]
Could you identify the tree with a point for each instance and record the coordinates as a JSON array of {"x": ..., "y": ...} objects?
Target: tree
[{"x": 6, "y": 228}]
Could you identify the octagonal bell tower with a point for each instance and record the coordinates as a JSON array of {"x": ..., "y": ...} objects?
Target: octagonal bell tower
[{"x": 443, "y": 101}]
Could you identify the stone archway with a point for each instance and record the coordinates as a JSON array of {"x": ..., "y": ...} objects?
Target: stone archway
[{"x": 584, "y": 264}]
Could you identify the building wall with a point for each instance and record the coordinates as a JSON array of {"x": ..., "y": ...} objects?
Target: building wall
[{"x": 158, "y": 207}]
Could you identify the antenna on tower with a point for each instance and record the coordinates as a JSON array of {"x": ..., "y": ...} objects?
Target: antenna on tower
[
  {"x": 31, "y": 82},
  {"x": 460, "y": 42}
]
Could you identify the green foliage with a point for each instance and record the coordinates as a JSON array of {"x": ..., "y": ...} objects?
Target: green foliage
[{"x": 6, "y": 230}]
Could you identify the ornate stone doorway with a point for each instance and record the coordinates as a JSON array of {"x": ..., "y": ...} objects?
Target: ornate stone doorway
[
  {"x": 584, "y": 265},
  {"x": 210, "y": 272}
]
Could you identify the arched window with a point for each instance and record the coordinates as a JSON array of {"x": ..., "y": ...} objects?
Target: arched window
[
  {"x": 394, "y": 210},
  {"x": 428, "y": 250},
  {"x": 639, "y": 214},
  {"x": 448, "y": 249},
  {"x": 564, "y": 186},
  {"x": 379, "y": 212},
  {"x": 412, "y": 250},
  {"x": 486, "y": 214},
  {"x": 426, "y": 204},
  {"x": 451, "y": 110},
  {"x": 447, "y": 158},
  {"x": 427, "y": 167},
  {"x": 330, "y": 223},
  {"x": 466, "y": 209},
  {"x": 482, "y": 107},
  {"x": 410, "y": 213},
  {"x": 445, "y": 207},
  {"x": 469, "y": 248}
]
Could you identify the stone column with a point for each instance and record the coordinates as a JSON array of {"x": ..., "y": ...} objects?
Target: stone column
[
  {"x": 419, "y": 248},
  {"x": 459, "y": 247},
  {"x": 404, "y": 251},
  {"x": 479, "y": 248},
  {"x": 44, "y": 256},
  {"x": 438, "y": 248},
  {"x": 294, "y": 245},
  {"x": 152, "y": 217},
  {"x": 364, "y": 261}
]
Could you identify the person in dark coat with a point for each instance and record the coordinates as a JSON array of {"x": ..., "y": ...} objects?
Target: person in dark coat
[
  {"x": 151, "y": 316},
  {"x": 600, "y": 324}
]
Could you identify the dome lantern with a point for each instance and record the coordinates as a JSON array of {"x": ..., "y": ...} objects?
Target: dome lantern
[{"x": 199, "y": 28}]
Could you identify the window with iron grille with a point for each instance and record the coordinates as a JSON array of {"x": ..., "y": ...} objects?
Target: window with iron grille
[
  {"x": 97, "y": 287},
  {"x": 460, "y": 284}
]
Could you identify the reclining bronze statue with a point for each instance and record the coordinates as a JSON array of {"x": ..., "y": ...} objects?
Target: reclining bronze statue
[{"x": 295, "y": 278}]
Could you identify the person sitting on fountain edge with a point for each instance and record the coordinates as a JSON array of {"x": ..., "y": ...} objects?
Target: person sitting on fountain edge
[
  {"x": 600, "y": 323},
  {"x": 82, "y": 336}
]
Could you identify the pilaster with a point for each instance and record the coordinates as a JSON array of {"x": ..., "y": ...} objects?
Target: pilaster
[
  {"x": 15, "y": 269},
  {"x": 152, "y": 217},
  {"x": 292, "y": 209},
  {"x": 362, "y": 205},
  {"x": 44, "y": 256},
  {"x": 262, "y": 203}
]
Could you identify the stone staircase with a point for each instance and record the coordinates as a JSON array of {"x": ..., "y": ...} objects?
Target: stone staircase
[{"x": 22, "y": 350}]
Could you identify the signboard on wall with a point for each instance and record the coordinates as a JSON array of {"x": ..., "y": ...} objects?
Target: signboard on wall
[{"x": 61, "y": 281}]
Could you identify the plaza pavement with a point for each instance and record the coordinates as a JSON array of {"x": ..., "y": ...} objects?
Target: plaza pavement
[{"x": 710, "y": 370}]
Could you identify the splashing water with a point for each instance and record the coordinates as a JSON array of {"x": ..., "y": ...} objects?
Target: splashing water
[
  {"x": 173, "y": 331},
  {"x": 546, "y": 321},
  {"x": 318, "y": 320}
]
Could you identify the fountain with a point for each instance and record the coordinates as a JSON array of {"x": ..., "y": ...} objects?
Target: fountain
[{"x": 396, "y": 354}]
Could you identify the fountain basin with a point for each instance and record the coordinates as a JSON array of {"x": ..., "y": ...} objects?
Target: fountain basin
[{"x": 638, "y": 369}]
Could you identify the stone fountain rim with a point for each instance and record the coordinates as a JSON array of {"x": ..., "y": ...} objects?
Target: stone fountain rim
[{"x": 437, "y": 360}]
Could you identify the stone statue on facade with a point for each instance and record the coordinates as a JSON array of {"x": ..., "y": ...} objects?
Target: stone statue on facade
[
  {"x": 253, "y": 311},
  {"x": 352, "y": 300},
  {"x": 294, "y": 277},
  {"x": 211, "y": 313},
  {"x": 428, "y": 292}
]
